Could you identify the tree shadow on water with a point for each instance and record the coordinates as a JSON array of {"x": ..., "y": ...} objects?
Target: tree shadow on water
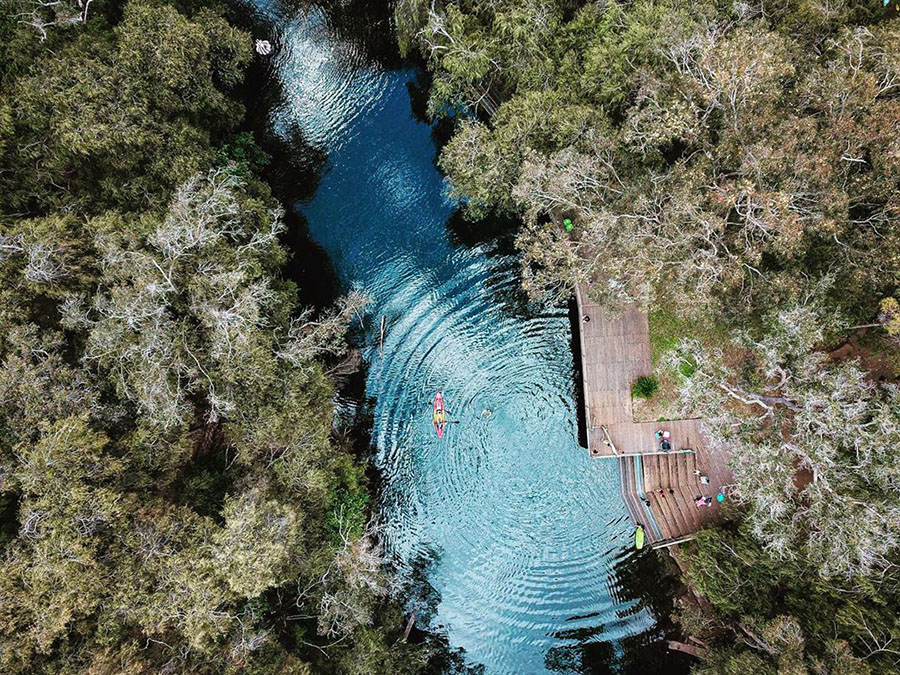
[
  {"x": 309, "y": 265},
  {"x": 497, "y": 230},
  {"x": 649, "y": 580},
  {"x": 444, "y": 126},
  {"x": 293, "y": 167},
  {"x": 424, "y": 600},
  {"x": 366, "y": 24}
]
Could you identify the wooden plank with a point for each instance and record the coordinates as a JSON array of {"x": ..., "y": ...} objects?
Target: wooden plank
[
  {"x": 673, "y": 522},
  {"x": 696, "y": 652},
  {"x": 632, "y": 501},
  {"x": 672, "y": 542},
  {"x": 686, "y": 519},
  {"x": 637, "y": 463},
  {"x": 689, "y": 510},
  {"x": 584, "y": 355}
]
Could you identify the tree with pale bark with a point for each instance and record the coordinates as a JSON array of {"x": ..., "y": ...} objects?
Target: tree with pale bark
[
  {"x": 813, "y": 444},
  {"x": 169, "y": 468}
]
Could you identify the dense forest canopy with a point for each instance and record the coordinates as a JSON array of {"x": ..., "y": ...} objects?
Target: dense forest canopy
[
  {"x": 731, "y": 154},
  {"x": 173, "y": 497},
  {"x": 733, "y": 167}
]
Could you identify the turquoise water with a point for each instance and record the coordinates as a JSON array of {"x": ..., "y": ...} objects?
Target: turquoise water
[{"x": 523, "y": 532}]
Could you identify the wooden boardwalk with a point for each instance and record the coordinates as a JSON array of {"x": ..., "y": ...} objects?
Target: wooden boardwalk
[
  {"x": 615, "y": 350},
  {"x": 660, "y": 490}
]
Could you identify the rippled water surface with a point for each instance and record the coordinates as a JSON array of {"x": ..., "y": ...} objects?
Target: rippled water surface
[{"x": 522, "y": 530}]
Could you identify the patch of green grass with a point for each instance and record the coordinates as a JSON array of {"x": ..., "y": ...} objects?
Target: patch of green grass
[
  {"x": 348, "y": 509},
  {"x": 665, "y": 331},
  {"x": 348, "y": 514},
  {"x": 667, "y": 328}
]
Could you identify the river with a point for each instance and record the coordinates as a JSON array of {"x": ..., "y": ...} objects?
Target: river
[{"x": 524, "y": 540}]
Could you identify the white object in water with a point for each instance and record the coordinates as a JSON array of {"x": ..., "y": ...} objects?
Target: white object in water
[{"x": 263, "y": 47}]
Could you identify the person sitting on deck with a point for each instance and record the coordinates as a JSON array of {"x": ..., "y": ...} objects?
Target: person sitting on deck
[
  {"x": 700, "y": 500},
  {"x": 663, "y": 437}
]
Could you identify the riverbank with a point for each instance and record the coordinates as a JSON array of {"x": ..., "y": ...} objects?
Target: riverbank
[{"x": 176, "y": 495}]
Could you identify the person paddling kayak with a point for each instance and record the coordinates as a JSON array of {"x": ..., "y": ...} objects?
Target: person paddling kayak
[{"x": 439, "y": 415}]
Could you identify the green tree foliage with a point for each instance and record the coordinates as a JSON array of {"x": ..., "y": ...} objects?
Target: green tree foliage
[
  {"x": 775, "y": 616},
  {"x": 177, "y": 501},
  {"x": 807, "y": 583},
  {"x": 260, "y": 543},
  {"x": 53, "y": 575},
  {"x": 199, "y": 281},
  {"x": 727, "y": 154},
  {"x": 118, "y": 119}
]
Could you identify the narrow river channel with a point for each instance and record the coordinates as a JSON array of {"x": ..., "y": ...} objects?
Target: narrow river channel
[{"x": 524, "y": 536}]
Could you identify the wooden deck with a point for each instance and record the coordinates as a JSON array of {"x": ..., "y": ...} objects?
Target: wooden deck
[
  {"x": 659, "y": 489},
  {"x": 639, "y": 438},
  {"x": 660, "y": 492}
]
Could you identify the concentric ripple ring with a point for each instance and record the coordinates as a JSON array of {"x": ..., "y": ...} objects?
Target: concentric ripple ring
[{"x": 523, "y": 528}]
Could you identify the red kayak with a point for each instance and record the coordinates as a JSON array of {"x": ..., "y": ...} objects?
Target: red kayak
[{"x": 440, "y": 415}]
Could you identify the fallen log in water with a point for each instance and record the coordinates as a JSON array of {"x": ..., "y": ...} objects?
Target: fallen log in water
[{"x": 697, "y": 652}]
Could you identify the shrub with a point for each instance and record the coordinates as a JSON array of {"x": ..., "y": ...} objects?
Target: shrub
[{"x": 644, "y": 387}]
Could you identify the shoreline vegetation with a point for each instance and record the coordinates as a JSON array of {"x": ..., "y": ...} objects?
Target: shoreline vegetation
[
  {"x": 733, "y": 169},
  {"x": 174, "y": 494}
]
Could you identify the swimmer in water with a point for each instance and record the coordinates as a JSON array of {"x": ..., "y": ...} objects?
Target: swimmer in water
[{"x": 486, "y": 412}]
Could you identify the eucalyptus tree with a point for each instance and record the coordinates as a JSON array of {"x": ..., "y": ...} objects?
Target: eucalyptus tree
[
  {"x": 812, "y": 443},
  {"x": 134, "y": 119},
  {"x": 184, "y": 299},
  {"x": 704, "y": 156}
]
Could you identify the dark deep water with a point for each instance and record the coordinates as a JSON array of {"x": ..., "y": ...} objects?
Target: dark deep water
[{"x": 524, "y": 539}]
